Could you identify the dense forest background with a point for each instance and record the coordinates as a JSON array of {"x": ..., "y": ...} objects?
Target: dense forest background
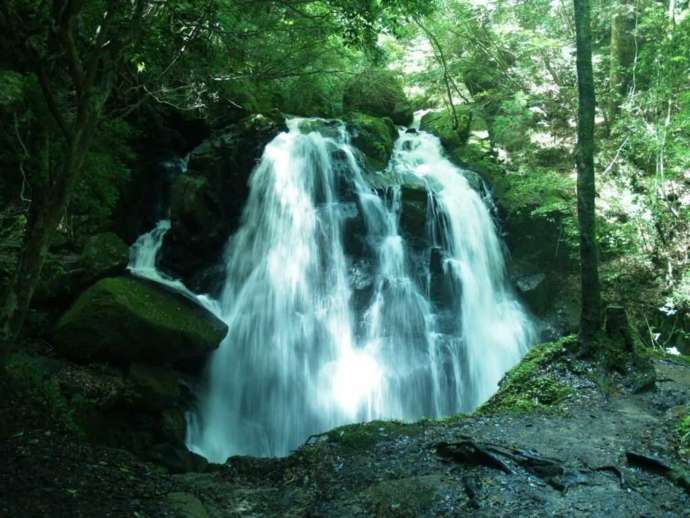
[{"x": 91, "y": 91}]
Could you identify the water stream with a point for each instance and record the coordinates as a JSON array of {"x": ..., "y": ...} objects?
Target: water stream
[{"x": 337, "y": 315}]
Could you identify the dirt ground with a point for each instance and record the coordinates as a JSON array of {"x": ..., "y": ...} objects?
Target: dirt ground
[{"x": 573, "y": 460}]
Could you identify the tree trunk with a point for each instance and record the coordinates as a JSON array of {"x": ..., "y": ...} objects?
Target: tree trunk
[
  {"x": 47, "y": 210},
  {"x": 590, "y": 318}
]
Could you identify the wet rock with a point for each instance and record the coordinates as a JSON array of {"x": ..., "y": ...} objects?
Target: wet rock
[
  {"x": 207, "y": 205},
  {"x": 103, "y": 255},
  {"x": 325, "y": 127},
  {"x": 414, "y": 202},
  {"x": 178, "y": 459},
  {"x": 126, "y": 319},
  {"x": 534, "y": 290},
  {"x": 441, "y": 285},
  {"x": 374, "y": 137}
]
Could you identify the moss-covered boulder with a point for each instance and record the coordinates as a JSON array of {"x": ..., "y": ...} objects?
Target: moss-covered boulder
[
  {"x": 378, "y": 92},
  {"x": 374, "y": 137},
  {"x": 125, "y": 319},
  {"x": 453, "y": 135},
  {"x": 103, "y": 255}
]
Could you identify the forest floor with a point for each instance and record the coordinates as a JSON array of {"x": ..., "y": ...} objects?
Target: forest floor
[{"x": 575, "y": 459}]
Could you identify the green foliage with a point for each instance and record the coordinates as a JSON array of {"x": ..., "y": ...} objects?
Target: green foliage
[
  {"x": 442, "y": 124},
  {"x": 510, "y": 126},
  {"x": 377, "y": 92},
  {"x": 103, "y": 182},
  {"x": 533, "y": 385},
  {"x": 11, "y": 88},
  {"x": 543, "y": 194}
]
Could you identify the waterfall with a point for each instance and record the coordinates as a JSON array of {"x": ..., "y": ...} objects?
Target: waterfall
[
  {"x": 143, "y": 255},
  {"x": 332, "y": 309}
]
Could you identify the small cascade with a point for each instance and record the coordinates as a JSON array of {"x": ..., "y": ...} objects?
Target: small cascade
[
  {"x": 144, "y": 251},
  {"x": 337, "y": 314},
  {"x": 143, "y": 255}
]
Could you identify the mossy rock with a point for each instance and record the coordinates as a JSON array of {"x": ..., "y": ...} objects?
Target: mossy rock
[
  {"x": 103, "y": 255},
  {"x": 362, "y": 436},
  {"x": 125, "y": 320},
  {"x": 442, "y": 124},
  {"x": 374, "y": 137},
  {"x": 378, "y": 92},
  {"x": 533, "y": 385}
]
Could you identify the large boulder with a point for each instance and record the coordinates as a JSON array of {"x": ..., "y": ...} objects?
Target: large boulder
[
  {"x": 378, "y": 92},
  {"x": 125, "y": 319},
  {"x": 453, "y": 131},
  {"x": 103, "y": 255},
  {"x": 207, "y": 203},
  {"x": 374, "y": 137}
]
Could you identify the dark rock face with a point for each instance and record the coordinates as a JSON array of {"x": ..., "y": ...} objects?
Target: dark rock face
[
  {"x": 207, "y": 203},
  {"x": 378, "y": 92},
  {"x": 125, "y": 319},
  {"x": 414, "y": 204}
]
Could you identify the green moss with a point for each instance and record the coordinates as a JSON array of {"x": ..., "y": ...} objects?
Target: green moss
[
  {"x": 364, "y": 435},
  {"x": 373, "y": 136},
  {"x": 129, "y": 319},
  {"x": 531, "y": 386},
  {"x": 442, "y": 124}
]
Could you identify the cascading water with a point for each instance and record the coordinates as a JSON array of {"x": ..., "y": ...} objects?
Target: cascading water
[
  {"x": 326, "y": 331},
  {"x": 142, "y": 263}
]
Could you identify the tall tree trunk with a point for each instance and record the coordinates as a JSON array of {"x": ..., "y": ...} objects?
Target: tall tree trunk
[{"x": 590, "y": 318}]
